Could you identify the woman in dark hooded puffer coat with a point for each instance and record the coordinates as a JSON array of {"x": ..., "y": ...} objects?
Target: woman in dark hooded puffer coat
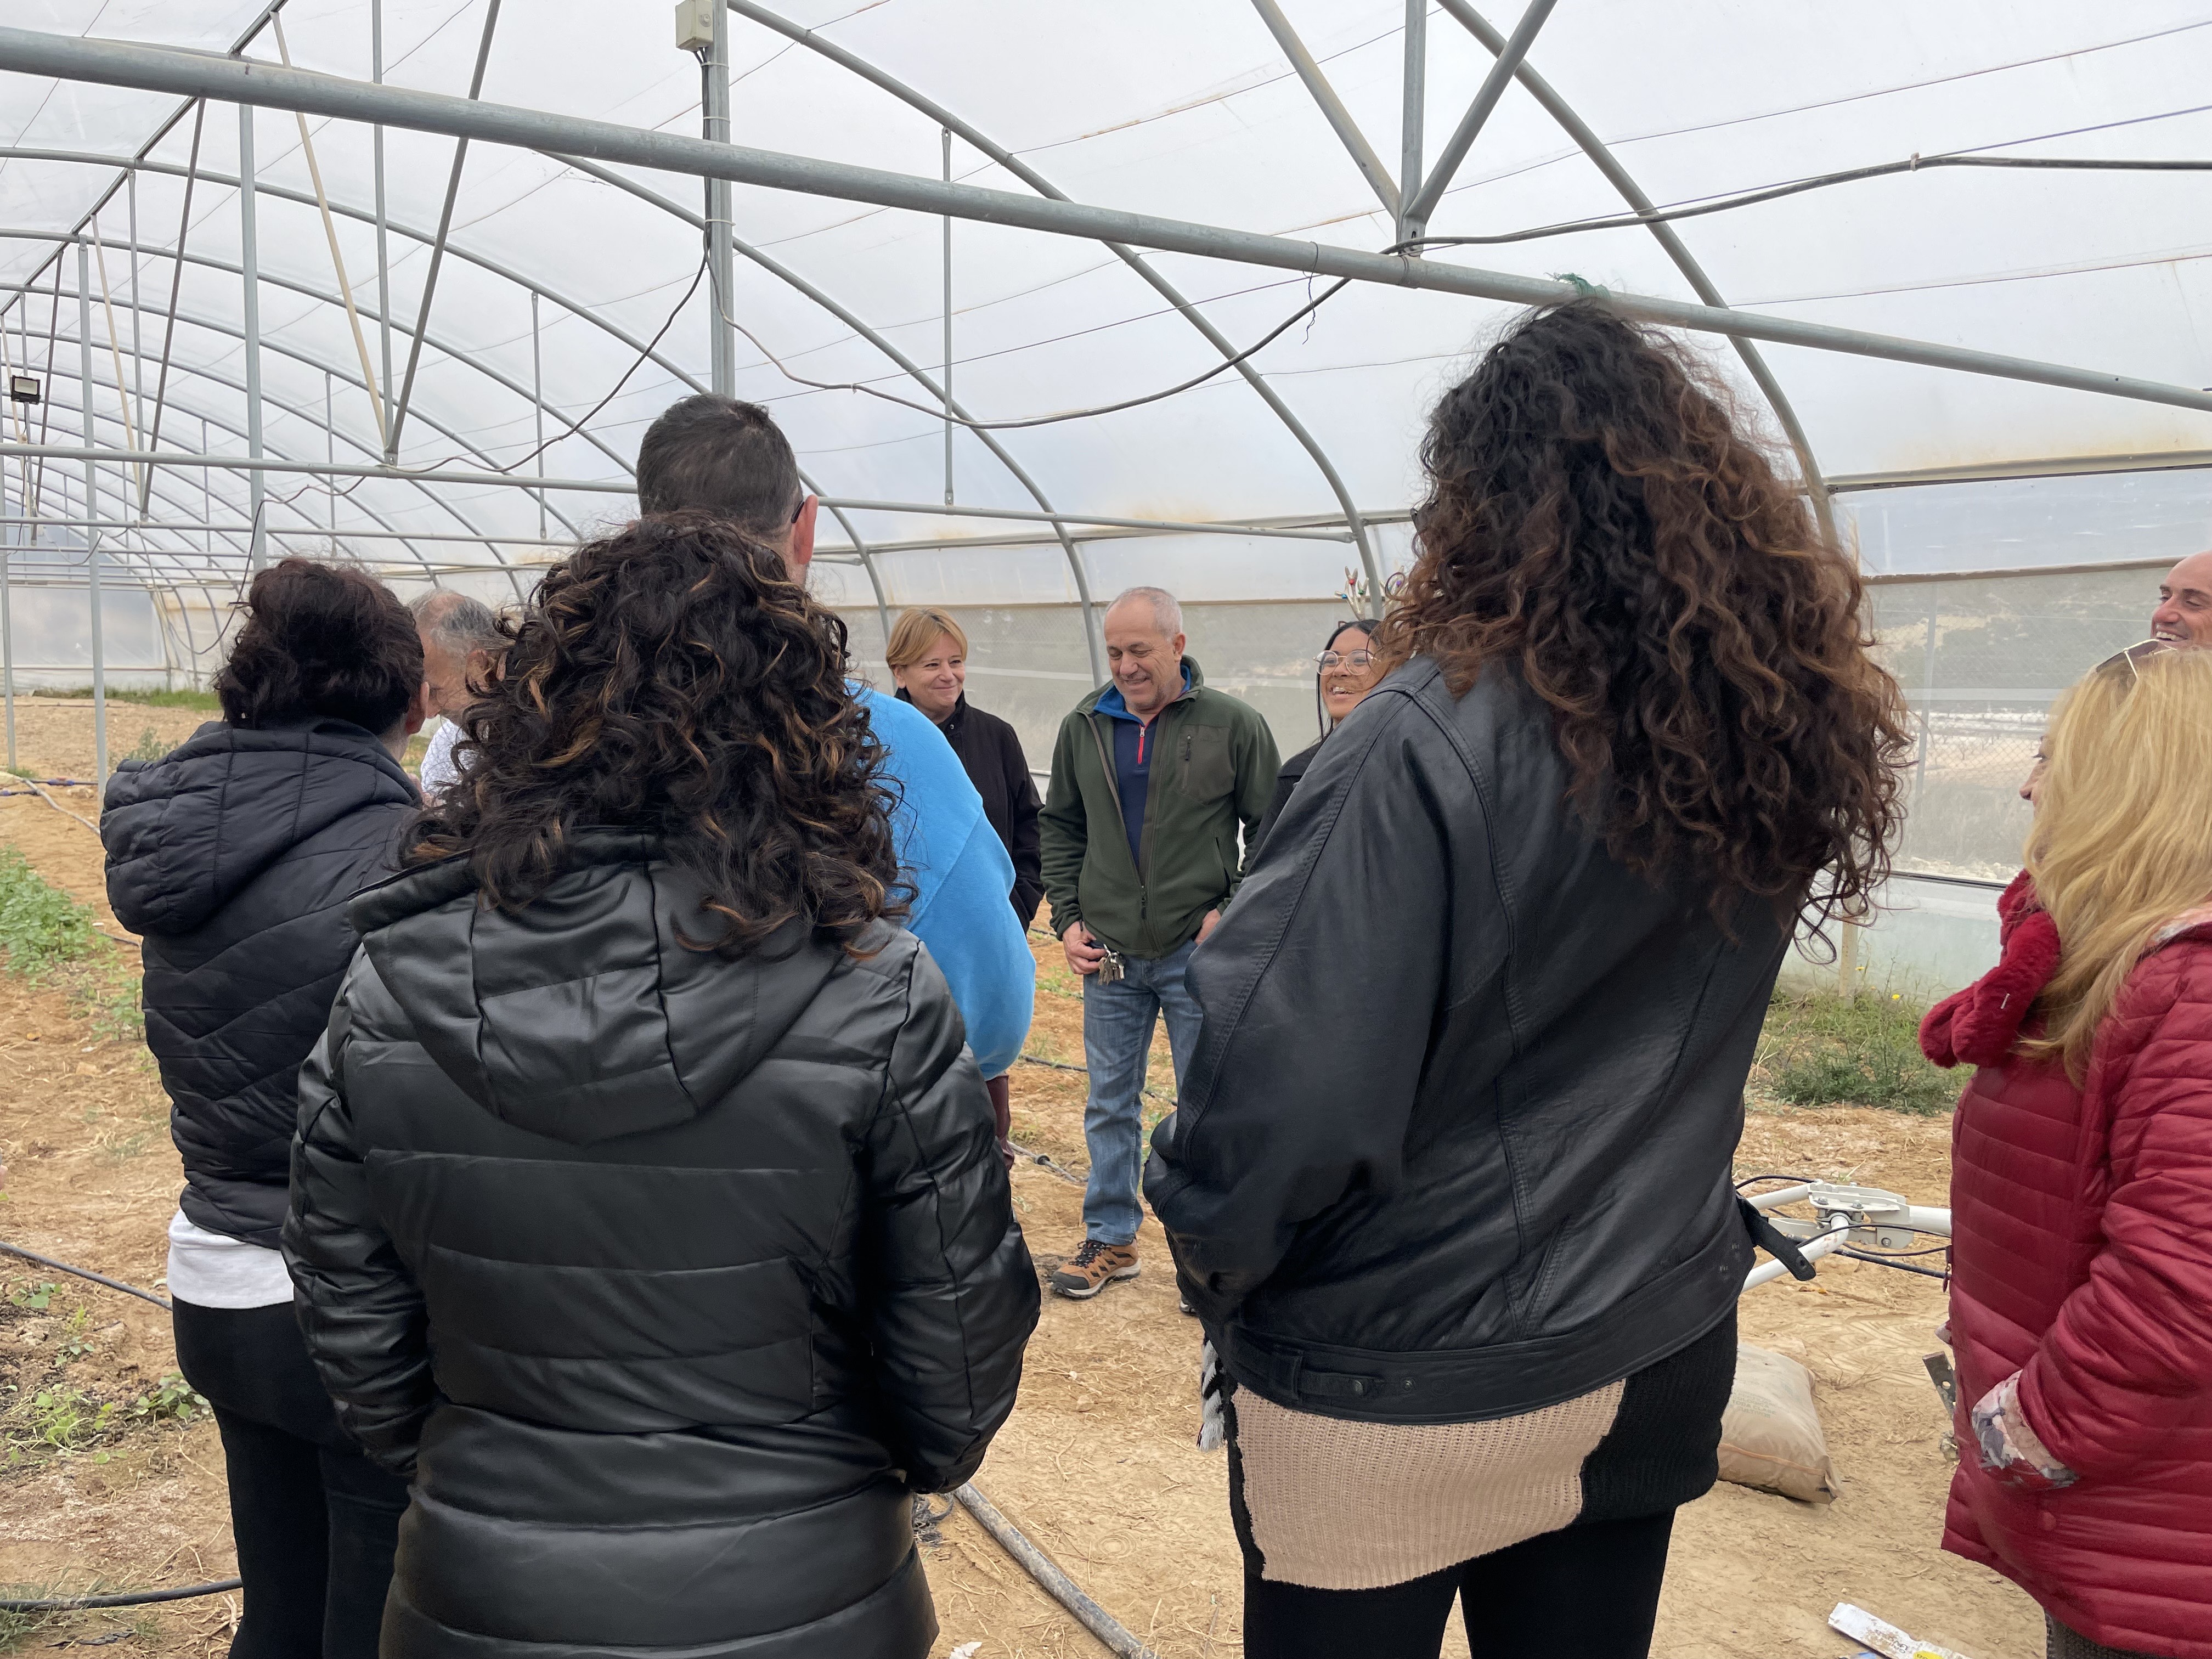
[
  {"x": 234, "y": 856},
  {"x": 645, "y": 1207}
]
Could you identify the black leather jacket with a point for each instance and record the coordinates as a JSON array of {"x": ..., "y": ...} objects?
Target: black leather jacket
[
  {"x": 666, "y": 1276},
  {"x": 1457, "y": 1140}
]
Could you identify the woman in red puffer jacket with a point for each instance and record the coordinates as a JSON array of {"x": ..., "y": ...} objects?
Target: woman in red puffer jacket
[{"x": 2081, "y": 1181}]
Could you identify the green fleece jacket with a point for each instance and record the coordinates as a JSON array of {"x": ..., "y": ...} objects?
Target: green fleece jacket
[{"x": 1213, "y": 774}]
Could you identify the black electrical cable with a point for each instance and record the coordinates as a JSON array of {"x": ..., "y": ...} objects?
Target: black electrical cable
[
  {"x": 161, "y": 1303},
  {"x": 1901, "y": 1267},
  {"x": 939, "y": 412},
  {"x": 1936, "y": 1250},
  {"x": 1747, "y": 1180},
  {"x": 1045, "y": 1160},
  {"x": 1795, "y": 188},
  {"x": 135, "y": 1599}
]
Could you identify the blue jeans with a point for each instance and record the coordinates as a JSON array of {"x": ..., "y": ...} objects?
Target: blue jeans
[{"x": 1117, "y": 1038}]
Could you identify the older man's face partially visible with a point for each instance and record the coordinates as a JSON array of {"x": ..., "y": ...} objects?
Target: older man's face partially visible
[
  {"x": 446, "y": 673},
  {"x": 2184, "y": 603}
]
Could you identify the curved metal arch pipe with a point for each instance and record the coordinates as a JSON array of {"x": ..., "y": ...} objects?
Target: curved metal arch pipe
[
  {"x": 783, "y": 273},
  {"x": 124, "y": 556},
  {"x": 305, "y": 290},
  {"x": 454, "y": 249},
  {"x": 221, "y": 424},
  {"x": 1160, "y": 285},
  {"x": 309, "y": 415},
  {"x": 199, "y": 574},
  {"x": 1754, "y": 360},
  {"x": 497, "y": 268}
]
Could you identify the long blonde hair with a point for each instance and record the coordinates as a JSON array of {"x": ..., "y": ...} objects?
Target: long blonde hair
[{"x": 2122, "y": 844}]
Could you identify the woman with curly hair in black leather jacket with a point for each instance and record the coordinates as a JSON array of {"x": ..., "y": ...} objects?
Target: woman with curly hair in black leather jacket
[
  {"x": 646, "y": 1208},
  {"x": 1450, "y": 1179}
]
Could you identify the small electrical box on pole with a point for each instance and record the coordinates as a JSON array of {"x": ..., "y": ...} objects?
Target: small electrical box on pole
[{"x": 695, "y": 24}]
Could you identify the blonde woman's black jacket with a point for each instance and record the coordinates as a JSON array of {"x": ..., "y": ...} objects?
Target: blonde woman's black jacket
[
  {"x": 1457, "y": 1140},
  {"x": 666, "y": 1278}
]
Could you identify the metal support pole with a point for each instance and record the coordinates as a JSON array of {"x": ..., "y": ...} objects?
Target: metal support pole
[
  {"x": 1416, "y": 102},
  {"x": 137, "y": 350},
  {"x": 438, "y": 249},
  {"x": 249, "y": 259},
  {"x": 91, "y": 505},
  {"x": 538, "y": 405},
  {"x": 1332, "y": 106},
  {"x": 1926, "y": 700},
  {"x": 1422, "y": 205},
  {"x": 8, "y": 654},
  {"x": 945, "y": 380},
  {"x": 330, "y": 455},
  {"x": 110, "y": 63},
  {"x": 714, "y": 126},
  {"x": 383, "y": 248}
]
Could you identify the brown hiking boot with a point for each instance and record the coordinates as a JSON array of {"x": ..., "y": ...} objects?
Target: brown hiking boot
[{"x": 1093, "y": 1267}]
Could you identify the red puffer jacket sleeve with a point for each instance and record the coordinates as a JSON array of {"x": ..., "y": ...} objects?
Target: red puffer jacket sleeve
[{"x": 2130, "y": 1353}]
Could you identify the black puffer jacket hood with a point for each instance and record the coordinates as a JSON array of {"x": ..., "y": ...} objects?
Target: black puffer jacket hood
[
  {"x": 234, "y": 856},
  {"x": 667, "y": 1278},
  {"x": 649, "y": 1040}
]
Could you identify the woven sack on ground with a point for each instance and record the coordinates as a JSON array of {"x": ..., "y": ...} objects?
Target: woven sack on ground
[{"x": 1771, "y": 1436}]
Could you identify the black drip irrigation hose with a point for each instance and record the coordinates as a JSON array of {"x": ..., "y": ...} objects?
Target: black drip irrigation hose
[
  {"x": 1040, "y": 1566},
  {"x": 135, "y": 1599},
  {"x": 160, "y": 1302},
  {"x": 1045, "y": 1160},
  {"x": 1049, "y": 1574}
]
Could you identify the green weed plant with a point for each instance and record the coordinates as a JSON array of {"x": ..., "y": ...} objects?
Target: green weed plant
[
  {"x": 1861, "y": 1050},
  {"x": 204, "y": 701},
  {"x": 40, "y": 926}
]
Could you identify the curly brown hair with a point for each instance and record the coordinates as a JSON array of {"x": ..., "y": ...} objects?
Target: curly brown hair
[
  {"x": 1595, "y": 518},
  {"x": 673, "y": 679}
]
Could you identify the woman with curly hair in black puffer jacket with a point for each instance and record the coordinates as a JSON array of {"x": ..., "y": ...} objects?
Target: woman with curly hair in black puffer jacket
[{"x": 646, "y": 1208}]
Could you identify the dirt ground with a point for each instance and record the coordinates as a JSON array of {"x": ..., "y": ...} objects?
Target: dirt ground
[{"x": 1097, "y": 1465}]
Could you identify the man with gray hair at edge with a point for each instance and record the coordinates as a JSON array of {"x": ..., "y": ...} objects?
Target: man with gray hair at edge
[
  {"x": 2184, "y": 615},
  {"x": 1154, "y": 777},
  {"x": 460, "y": 637}
]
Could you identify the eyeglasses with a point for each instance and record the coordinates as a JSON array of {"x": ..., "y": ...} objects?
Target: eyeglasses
[
  {"x": 2135, "y": 656},
  {"x": 1346, "y": 659}
]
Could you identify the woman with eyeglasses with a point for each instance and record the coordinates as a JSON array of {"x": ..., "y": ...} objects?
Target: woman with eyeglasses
[
  {"x": 2080, "y": 1314},
  {"x": 1345, "y": 674}
]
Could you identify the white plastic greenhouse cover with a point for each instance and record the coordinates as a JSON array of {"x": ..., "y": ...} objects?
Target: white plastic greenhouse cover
[{"x": 1189, "y": 111}]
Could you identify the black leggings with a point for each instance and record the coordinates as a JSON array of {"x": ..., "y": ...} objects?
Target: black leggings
[
  {"x": 1588, "y": 1591},
  {"x": 315, "y": 1521}
]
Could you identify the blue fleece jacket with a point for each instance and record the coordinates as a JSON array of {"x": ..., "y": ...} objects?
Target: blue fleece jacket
[{"x": 962, "y": 875}]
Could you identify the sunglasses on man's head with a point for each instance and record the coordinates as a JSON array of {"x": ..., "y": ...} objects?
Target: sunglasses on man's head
[{"x": 2135, "y": 656}]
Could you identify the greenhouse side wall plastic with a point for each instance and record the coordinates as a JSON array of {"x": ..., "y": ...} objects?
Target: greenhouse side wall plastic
[{"x": 1981, "y": 658}]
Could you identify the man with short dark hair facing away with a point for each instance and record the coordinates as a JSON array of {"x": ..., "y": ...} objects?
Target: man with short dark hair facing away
[
  {"x": 717, "y": 455},
  {"x": 1156, "y": 781}
]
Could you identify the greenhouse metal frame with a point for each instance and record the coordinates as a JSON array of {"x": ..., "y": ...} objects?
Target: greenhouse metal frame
[{"x": 148, "y": 513}]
